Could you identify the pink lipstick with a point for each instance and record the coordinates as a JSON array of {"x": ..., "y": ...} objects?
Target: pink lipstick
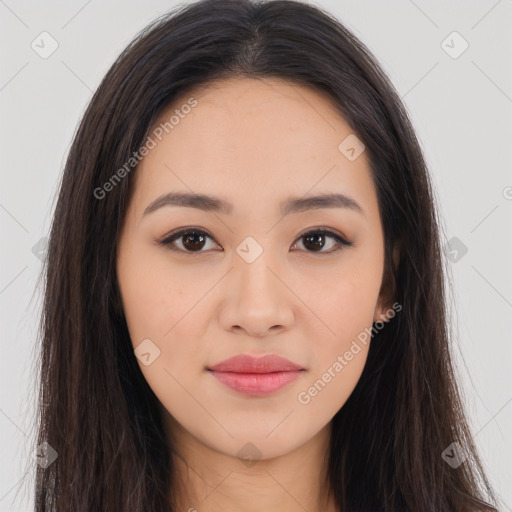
[{"x": 256, "y": 376}]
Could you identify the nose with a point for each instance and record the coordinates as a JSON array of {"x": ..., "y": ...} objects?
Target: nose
[{"x": 257, "y": 300}]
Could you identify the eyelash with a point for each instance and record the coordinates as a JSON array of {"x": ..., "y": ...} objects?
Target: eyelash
[{"x": 168, "y": 240}]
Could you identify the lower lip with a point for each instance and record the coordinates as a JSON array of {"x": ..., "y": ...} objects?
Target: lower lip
[{"x": 256, "y": 384}]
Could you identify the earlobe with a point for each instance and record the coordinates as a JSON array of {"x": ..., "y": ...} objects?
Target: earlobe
[
  {"x": 383, "y": 301},
  {"x": 387, "y": 293},
  {"x": 380, "y": 312}
]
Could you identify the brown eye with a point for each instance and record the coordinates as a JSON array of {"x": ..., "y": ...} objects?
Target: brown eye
[
  {"x": 315, "y": 241},
  {"x": 191, "y": 240}
]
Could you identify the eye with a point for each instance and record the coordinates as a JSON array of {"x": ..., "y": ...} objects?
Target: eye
[
  {"x": 316, "y": 239},
  {"x": 194, "y": 240}
]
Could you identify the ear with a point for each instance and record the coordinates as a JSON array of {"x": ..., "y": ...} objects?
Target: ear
[{"x": 387, "y": 291}]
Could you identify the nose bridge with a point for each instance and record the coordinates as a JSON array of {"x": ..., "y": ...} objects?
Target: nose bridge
[
  {"x": 259, "y": 300},
  {"x": 252, "y": 269}
]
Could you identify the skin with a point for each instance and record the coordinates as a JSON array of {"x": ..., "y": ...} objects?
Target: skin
[{"x": 254, "y": 143}]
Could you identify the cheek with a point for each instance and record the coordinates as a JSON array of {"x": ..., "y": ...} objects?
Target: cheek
[
  {"x": 156, "y": 306},
  {"x": 346, "y": 304},
  {"x": 152, "y": 296},
  {"x": 346, "y": 301},
  {"x": 339, "y": 354},
  {"x": 347, "y": 312},
  {"x": 146, "y": 304},
  {"x": 164, "y": 306}
]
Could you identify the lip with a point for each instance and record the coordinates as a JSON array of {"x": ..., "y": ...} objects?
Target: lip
[
  {"x": 245, "y": 363},
  {"x": 256, "y": 376}
]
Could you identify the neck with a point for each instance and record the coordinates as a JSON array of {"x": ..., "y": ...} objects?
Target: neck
[{"x": 207, "y": 480}]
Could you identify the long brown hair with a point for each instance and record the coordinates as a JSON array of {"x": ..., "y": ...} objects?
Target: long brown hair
[{"x": 95, "y": 408}]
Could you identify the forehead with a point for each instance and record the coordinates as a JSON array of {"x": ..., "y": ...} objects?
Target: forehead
[{"x": 252, "y": 139}]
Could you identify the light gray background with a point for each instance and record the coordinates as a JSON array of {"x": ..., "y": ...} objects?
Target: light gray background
[{"x": 462, "y": 111}]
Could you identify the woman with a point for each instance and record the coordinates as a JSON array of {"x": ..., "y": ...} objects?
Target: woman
[{"x": 301, "y": 362}]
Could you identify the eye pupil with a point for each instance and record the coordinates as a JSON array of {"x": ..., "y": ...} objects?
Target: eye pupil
[
  {"x": 314, "y": 239},
  {"x": 194, "y": 241},
  {"x": 193, "y": 236}
]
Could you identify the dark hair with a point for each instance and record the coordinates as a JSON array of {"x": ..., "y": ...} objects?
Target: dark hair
[{"x": 95, "y": 407}]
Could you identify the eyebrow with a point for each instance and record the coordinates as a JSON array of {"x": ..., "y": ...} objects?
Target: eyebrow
[{"x": 213, "y": 204}]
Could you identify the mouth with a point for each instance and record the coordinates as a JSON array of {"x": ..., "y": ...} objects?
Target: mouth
[{"x": 256, "y": 376}]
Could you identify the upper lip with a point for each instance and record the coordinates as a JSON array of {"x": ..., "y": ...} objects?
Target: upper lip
[{"x": 245, "y": 363}]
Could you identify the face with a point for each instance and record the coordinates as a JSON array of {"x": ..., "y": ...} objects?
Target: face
[{"x": 259, "y": 275}]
